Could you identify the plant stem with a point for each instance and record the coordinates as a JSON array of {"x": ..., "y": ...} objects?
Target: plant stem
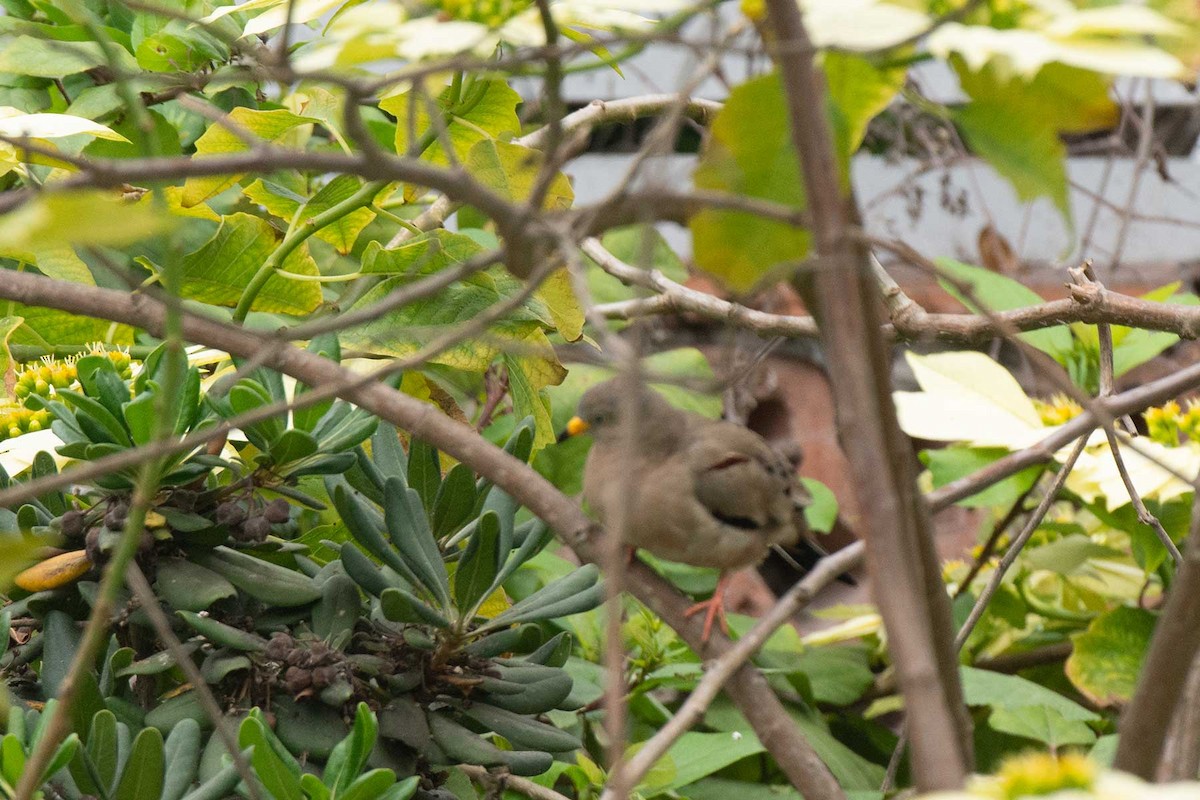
[{"x": 297, "y": 236}]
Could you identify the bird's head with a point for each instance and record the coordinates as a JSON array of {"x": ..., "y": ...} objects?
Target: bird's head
[{"x": 604, "y": 406}]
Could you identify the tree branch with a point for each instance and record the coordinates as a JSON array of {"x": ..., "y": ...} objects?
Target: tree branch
[{"x": 905, "y": 575}]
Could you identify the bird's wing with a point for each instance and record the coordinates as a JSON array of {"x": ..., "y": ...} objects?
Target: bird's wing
[{"x": 739, "y": 478}]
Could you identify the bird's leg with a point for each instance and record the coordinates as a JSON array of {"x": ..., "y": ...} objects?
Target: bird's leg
[{"x": 714, "y": 608}]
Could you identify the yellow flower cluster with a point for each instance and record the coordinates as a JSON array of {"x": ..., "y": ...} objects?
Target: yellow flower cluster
[
  {"x": 1042, "y": 773},
  {"x": 492, "y": 13},
  {"x": 1169, "y": 423},
  {"x": 17, "y": 420},
  {"x": 41, "y": 377},
  {"x": 1058, "y": 410}
]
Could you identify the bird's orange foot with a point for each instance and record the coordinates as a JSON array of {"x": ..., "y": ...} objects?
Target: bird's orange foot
[{"x": 714, "y": 610}]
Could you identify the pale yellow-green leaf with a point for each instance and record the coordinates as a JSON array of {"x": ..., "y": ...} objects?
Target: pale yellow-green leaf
[
  {"x": 1027, "y": 51},
  {"x": 16, "y": 124},
  {"x": 511, "y": 171},
  {"x": 89, "y": 217},
  {"x": 1151, "y": 467},
  {"x": 17, "y": 453},
  {"x": 861, "y": 24},
  {"x": 967, "y": 397},
  {"x": 220, "y": 139},
  {"x": 221, "y": 269},
  {"x": 294, "y": 12},
  {"x": 564, "y": 307},
  {"x": 49, "y": 326}
]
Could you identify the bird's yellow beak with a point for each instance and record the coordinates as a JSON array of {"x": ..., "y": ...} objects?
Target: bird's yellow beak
[{"x": 576, "y": 426}]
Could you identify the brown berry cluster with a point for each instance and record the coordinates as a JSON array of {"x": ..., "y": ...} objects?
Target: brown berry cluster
[
  {"x": 250, "y": 521},
  {"x": 310, "y": 667}
]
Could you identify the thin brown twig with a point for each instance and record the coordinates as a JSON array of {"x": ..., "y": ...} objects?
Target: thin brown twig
[
  {"x": 140, "y": 586},
  {"x": 719, "y": 672}
]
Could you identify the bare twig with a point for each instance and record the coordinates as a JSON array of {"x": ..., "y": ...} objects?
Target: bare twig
[
  {"x": 1176, "y": 643},
  {"x": 515, "y": 783},
  {"x": 720, "y": 671}
]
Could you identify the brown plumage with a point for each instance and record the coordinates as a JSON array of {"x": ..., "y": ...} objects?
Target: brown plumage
[{"x": 693, "y": 490}]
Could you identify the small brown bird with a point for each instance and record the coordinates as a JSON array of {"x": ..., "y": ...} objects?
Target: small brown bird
[{"x": 693, "y": 490}]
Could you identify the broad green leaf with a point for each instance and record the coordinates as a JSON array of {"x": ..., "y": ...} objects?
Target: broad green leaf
[
  {"x": 487, "y": 111},
  {"x": 220, "y": 140},
  {"x": 994, "y": 292},
  {"x": 951, "y": 463},
  {"x": 162, "y": 44},
  {"x": 511, "y": 171},
  {"x": 641, "y": 246},
  {"x": 565, "y": 310},
  {"x": 1029, "y": 155},
  {"x": 1066, "y": 99},
  {"x": 750, "y": 153},
  {"x": 88, "y": 217},
  {"x": 44, "y": 58},
  {"x": 1043, "y": 724},
  {"x": 221, "y": 269},
  {"x": 402, "y": 332},
  {"x": 821, "y": 514},
  {"x": 343, "y": 232},
  {"x": 695, "y": 756},
  {"x": 187, "y": 586},
  {"x": 858, "y": 90},
  {"x": 1107, "y": 660},
  {"x": 424, "y": 254},
  {"x": 526, "y": 380},
  {"x": 984, "y": 688},
  {"x": 1135, "y": 346},
  {"x": 838, "y": 675}
]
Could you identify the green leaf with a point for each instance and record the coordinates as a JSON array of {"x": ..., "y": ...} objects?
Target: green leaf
[
  {"x": 186, "y": 586},
  {"x": 821, "y": 514},
  {"x": 490, "y": 111},
  {"x": 181, "y": 759},
  {"x": 695, "y": 756},
  {"x": 102, "y": 748},
  {"x": 424, "y": 471},
  {"x": 454, "y": 502},
  {"x": 1012, "y": 692},
  {"x": 1106, "y": 662},
  {"x": 280, "y": 777},
  {"x": 858, "y": 90},
  {"x": 750, "y": 153},
  {"x": 641, "y": 246},
  {"x": 85, "y": 217},
  {"x": 349, "y": 757},
  {"x": 951, "y": 463},
  {"x": 219, "y": 272},
  {"x": 511, "y": 170},
  {"x": 1042, "y": 724},
  {"x": 344, "y": 231},
  {"x": 144, "y": 770},
  {"x": 999, "y": 293},
  {"x": 1023, "y": 149},
  {"x": 220, "y": 140},
  {"x": 477, "y": 567},
  {"x": 28, "y": 55},
  {"x": 421, "y": 255}
]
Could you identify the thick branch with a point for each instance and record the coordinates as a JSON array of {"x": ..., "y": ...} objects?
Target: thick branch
[
  {"x": 749, "y": 691},
  {"x": 903, "y": 565}
]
